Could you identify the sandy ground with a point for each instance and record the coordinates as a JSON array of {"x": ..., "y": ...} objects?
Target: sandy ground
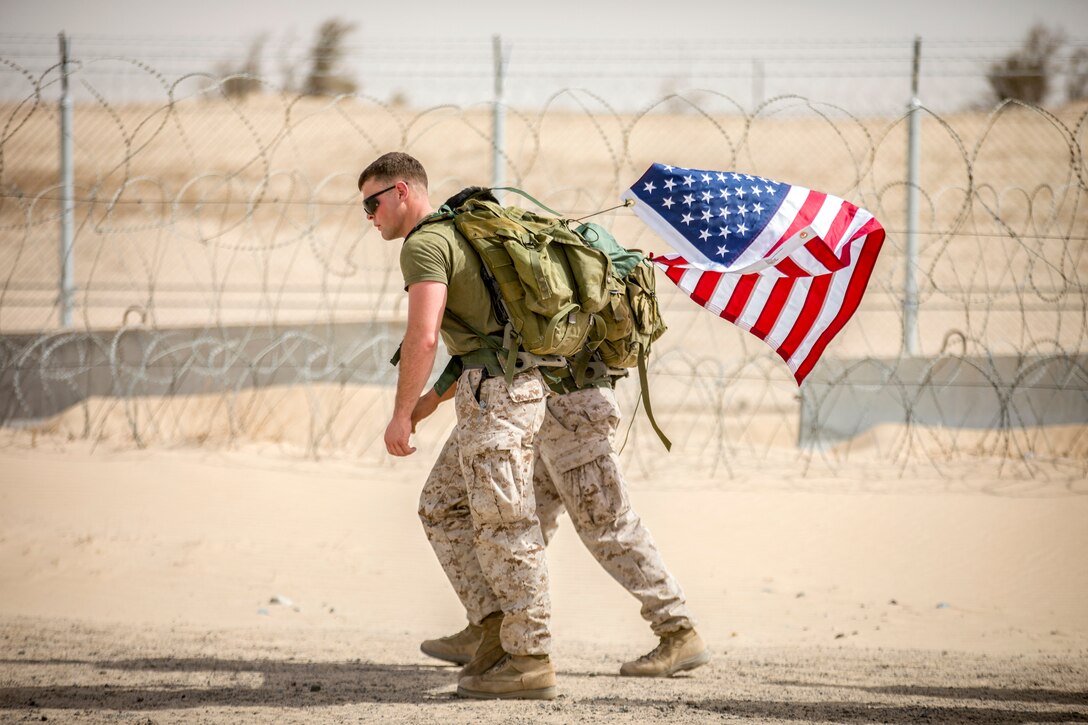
[{"x": 182, "y": 585}]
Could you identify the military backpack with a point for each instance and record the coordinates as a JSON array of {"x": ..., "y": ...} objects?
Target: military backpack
[{"x": 561, "y": 290}]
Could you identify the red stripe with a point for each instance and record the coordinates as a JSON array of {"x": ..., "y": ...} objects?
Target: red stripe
[
  {"x": 675, "y": 273},
  {"x": 808, "y": 211},
  {"x": 739, "y": 299},
  {"x": 859, "y": 280},
  {"x": 840, "y": 224},
  {"x": 669, "y": 261},
  {"x": 772, "y": 308},
  {"x": 791, "y": 269},
  {"x": 818, "y": 248},
  {"x": 705, "y": 287},
  {"x": 814, "y": 302}
]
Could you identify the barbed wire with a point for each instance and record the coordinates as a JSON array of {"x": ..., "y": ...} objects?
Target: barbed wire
[{"x": 228, "y": 288}]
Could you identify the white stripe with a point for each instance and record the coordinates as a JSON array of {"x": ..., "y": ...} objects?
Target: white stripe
[
  {"x": 756, "y": 301},
  {"x": 722, "y": 293},
  {"x": 861, "y": 218},
  {"x": 689, "y": 279},
  {"x": 790, "y": 312},
  {"x": 836, "y": 292},
  {"x": 821, "y": 223},
  {"x": 804, "y": 259}
]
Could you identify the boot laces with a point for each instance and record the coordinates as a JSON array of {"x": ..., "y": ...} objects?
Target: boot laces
[
  {"x": 662, "y": 647},
  {"x": 464, "y": 632}
]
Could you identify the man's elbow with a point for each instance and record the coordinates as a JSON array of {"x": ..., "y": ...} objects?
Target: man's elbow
[{"x": 422, "y": 342}]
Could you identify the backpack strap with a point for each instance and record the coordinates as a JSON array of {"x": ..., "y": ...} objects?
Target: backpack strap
[
  {"x": 528, "y": 196},
  {"x": 645, "y": 390},
  {"x": 443, "y": 213}
]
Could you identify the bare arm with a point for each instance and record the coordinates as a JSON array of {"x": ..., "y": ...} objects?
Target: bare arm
[
  {"x": 426, "y": 303},
  {"x": 429, "y": 402}
]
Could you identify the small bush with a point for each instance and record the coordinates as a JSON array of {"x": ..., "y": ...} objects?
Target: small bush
[
  {"x": 326, "y": 54},
  {"x": 240, "y": 82},
  {"x": 1025, "y": 74}
]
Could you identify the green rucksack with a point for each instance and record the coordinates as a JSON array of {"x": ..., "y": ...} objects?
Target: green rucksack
[
  {"x": 632, "y": 318},
  {"x": 561, "y": 291},
  {"x": 550, "y": 284}
]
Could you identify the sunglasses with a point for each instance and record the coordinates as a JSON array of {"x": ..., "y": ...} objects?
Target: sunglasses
[{"x": 370, "y": 203}]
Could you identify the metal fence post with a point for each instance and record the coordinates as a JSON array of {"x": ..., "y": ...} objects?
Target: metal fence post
[
  {"x": 914, "y": 143},
  {"x": 67, "y": 195},
  {"x": 498, "y": 120}
]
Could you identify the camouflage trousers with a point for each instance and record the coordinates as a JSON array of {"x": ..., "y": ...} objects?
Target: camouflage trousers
[
  {"x": 479, "y": 511},
  {"x": 577, "y": 469}
]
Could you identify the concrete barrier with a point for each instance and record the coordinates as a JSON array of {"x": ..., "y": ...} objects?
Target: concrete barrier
[
  {"x": 844, "y": 398},
  {"x": 42, "y": 375}
]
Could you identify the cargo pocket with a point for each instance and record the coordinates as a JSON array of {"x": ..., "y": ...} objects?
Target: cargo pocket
[
  {"x": 526, "y": 388},
  {"x": 586, "y": 421},
  {"x": 495, "y": 434},
  {"x": 500, "y": 490},
  {"x": 600, "y": 495}
]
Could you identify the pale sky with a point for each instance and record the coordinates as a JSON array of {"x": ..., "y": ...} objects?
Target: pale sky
[
  {"x": 705, "y": 19},
  {"x": 433, "y": 52}
]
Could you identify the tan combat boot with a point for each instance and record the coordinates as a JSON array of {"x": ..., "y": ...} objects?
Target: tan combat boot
[
  {"x": 489, "y": 651},
  {"x": 678, "y": 651},
  {"x": 522, "y": 677},
  {"x": 457, "y": 648}
]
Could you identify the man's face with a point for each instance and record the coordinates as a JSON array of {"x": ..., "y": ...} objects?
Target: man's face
[{"x": 382, "y": 204}]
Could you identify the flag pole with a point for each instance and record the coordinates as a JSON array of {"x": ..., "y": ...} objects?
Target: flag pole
[
  {"x": 67, "y": 194},
  {"x": 498, "y": 120},
  {"x": 910, "y": 284}
]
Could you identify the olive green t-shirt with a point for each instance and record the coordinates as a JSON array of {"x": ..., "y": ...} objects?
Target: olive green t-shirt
[{"x": 436, "y": 252}]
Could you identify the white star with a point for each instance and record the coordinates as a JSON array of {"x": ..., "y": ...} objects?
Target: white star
[
  {"x": 689, "y": 199},
  {"x": 736, "y": 176},
  {"x": 724, "y": 193},
  {"x": 669, "y": 183},
  {"x": 769, "y": 189},
  {"x": 741, "y": 229},
  {"x": 649, "y": 187},
  {"x": 724, "y": 233},
  {"x": 742, "y": 210},
  {"x": 723, "y": 213},
  {"x": 706, "y": 196},
  {"x": 706, "y": 215},
  {"x": 688, "y": 219},
  {"x": 740, "y": 192},
  {"x": 757, "y": 208},
  {"x": 668, "y": 202},
  {"x": 721, "y": 176},
  {"x": 706, "y": 178},
  {"x": 756, "y": 190},
  {"x": 704, "y": 235},
  {"x": 668, "y": 168},
  {"x": 689, "y": 180},
  {"x": 748, "y": 176},
  {"x": 722, "y": 250}
]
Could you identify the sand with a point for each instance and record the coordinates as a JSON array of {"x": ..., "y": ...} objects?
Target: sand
[
  {"x": 190, "y": 585},
  {"x": 257, "y": 557}
]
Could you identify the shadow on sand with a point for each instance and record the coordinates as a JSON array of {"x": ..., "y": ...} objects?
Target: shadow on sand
[{"x": 280, "y": 683}]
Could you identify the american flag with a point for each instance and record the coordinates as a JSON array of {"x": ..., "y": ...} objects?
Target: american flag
[{"x": 785, "y": 263}]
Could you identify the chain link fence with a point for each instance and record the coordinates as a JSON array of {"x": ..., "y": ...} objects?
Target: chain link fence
[{"x": 226, "y": 288}]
